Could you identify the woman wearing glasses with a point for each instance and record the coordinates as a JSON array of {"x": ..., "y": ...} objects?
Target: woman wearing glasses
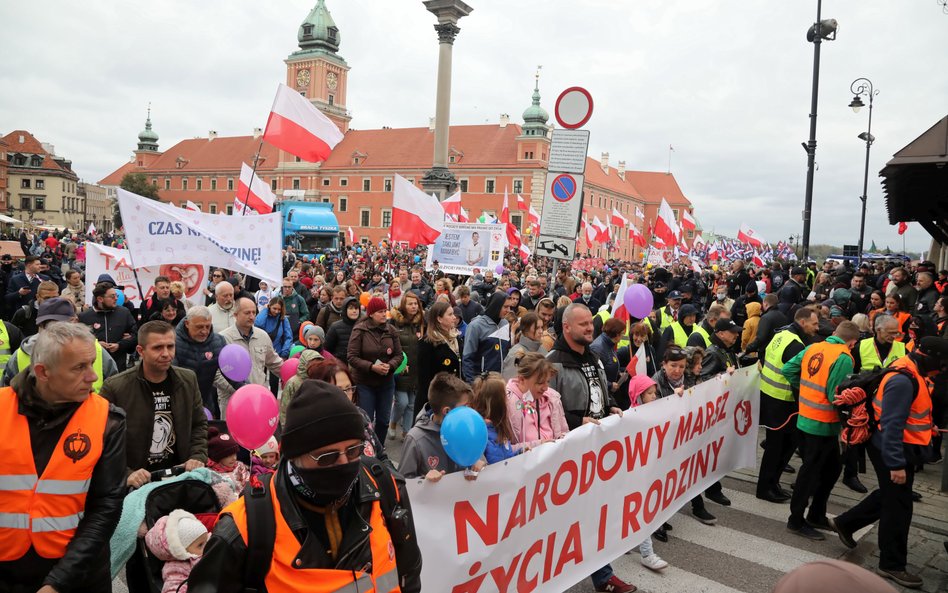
[{"x": 217, "y": 276}]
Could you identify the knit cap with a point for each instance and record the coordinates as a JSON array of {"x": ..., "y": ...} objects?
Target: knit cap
[
  {"x": 271, "y": 446},
  {"x": 317, "y": 330},
  {"x": 319, "y": 414},
  {"x": 189, "y": 529},
  {"x": 220, "y": 444},
  {"x": 375, "y": 304}
]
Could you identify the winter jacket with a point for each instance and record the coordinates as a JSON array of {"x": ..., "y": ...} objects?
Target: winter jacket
[
  {"x": 78, "y": 295},
  {"x": 328, "y": 315},
  {"x": 129, "y": 391},
  {"x": 263, "y": 358},
  {"x": 111, "y": 326},
  {"x": 337, "y": 336},
  {"x": 423, "y": 450},
  {"x": 605, "y": 349},
  {"x": 294, "y": 382},
  {"x": 434, "y": 359},
  {"x": 408, "y": 337},
  {"x": 534, "y": 418},
  {"x": 278, "y": 328},
  {"x": 85, "y": 566},
  {"x": 221, "y": 319},
  {"x": 471, "y": 310},
  {"x": 496, "y": 451},
  {"x": 165, "y": 543},
  {"x": 24, "y": 319},
  {"x": 750, "y": 326},
  {"x": 424, "y": 292},
  {"x": 791, "y": 295},
  {"x": 573, "y": 386},
  {"x": 717, "y": 358},
  {"x": 296, "y": 310},
  {"x": 200, "y": 357},
  {"x": 770, "y": 320},
  {"x": 665, "y": 388},
  {"x": 524, "y": 345},
  {"x": 370, "y": 342},
  {"x": 482, "y": 352}
]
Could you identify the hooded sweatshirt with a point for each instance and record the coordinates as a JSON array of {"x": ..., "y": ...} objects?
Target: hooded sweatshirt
[
  {"x": 337, "y": 336},
  {"x": 534, "y": 417},
  {"x": 750, "y": 326},
  {"x": 482, "y": 352}
]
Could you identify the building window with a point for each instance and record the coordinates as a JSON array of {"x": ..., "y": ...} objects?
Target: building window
[
  {"x": 41, "y": 203},
  {"x": 184, "y": 183},
  {"x": 364, "y": 217},
  {"x": 212, "y": 208},
  {"x": 366, "y": 185},
  {"x": 36, "y": 161},
  {"x": 462, "y": 185},
  {"x": 343, "y": 182},
  {"x": 199, "y": 184},
  {"x": 24, "y": 184},
  {"x": 167, "y": 183},
  {"x": 26, "y": 203},
  {"x": 343, "y": 204},
  {"x": 517, "y": 221},
  {"x": 489, "y": 186},
  {"x": 299, "y": 160},
  {"x": 332, "y": 100},
  {"x": 518, "y": 186},
  {"x": 411, "y": 180},
  {"x": 213, "y": 184},
  {"x": 230, "y": 185},
  {"x": 388, "y": 185},
  {"x": 452, "y": 159},
  {"x": 296, "y": 183},
  {"x": 273, "y": 184},
  {"x": 675, "y": 212},
  {"x": 325, "y": 182},
  {"x": 528, "y": 155},
  {"x": 326, "y": 200},
  {"x": 691, "y": 234},
  {"x": 40, "y": 184},
  {"x": 154, "y": 182},
  {"x": 230, "y": 209},
  {"x": 386, "y": 219}
]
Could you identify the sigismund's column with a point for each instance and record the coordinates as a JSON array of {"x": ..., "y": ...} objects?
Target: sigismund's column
[{"x": 439, "y": 180}]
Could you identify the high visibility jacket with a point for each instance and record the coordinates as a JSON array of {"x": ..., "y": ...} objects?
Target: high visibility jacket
[
  {"x": 869, "y": 354},
  {"x": 772, "y": 381},
  {"x": 679, "y": 337},
  {"x": 903, "y": 318},
  {"x": 5, "y": 351},
  {"x": 664, "y": 318},
  {"x": 814, "y": 376},
  {"x": 699, "y": 329},
  {"x": 918, "y": 425},
  {"x": 284, "y": 577},
  {"x": 23, "y": 361},
  {"x": 43, "y": 512}
]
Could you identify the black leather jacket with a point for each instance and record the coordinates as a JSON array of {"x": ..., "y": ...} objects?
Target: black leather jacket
[
  {"x": 85, "y": 566},
  {"x": 716, "y": 359}
]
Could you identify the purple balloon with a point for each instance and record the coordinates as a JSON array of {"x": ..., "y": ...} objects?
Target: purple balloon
[
  {"x": 208, "y": 413},
  {"x": 499, "y": 269},
  {"x": 638, "y": 301},
  {"x": 234, "y": 363}
]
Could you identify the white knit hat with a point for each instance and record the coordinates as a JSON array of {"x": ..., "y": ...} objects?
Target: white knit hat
[
  {"x": 183, "y": 529},
  {"x": 271, "y": 446}
]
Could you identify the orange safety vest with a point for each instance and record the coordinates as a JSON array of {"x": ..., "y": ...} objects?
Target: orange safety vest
[
  {"x": 284, "y": 577},
  {"x": 918, "y": 425},
  {"x": 814, "y": 376},
  {"x": 903, "y": 319},
  {"x": 44, "y": 512}
]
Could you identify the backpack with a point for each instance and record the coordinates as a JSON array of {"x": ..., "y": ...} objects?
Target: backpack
[{"x": 857, "y": 411}]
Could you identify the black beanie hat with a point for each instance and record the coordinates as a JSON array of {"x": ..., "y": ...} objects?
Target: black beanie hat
[{"x": 320, "y": 414}]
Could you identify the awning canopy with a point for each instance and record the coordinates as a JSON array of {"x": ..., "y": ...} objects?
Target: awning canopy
[
  {"x": 916, "y": 182},
  {"x": 9, "y": 219}
]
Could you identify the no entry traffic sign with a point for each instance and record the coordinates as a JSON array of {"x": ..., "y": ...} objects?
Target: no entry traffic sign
[
  {"x": 563, "y": 187},
  {"x": 573, "y": 107}
]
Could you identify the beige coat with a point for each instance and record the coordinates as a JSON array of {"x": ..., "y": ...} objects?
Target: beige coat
[{"x": 262, "y": 358}]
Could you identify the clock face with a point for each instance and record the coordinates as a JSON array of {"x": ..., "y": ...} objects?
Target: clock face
[
  {"x": 302, "y": 78},
  {"x": 332, "y": 81}
]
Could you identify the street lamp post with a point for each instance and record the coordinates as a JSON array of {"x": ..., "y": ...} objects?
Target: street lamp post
[
  {"x": 821, "y": 30},
  {"x": 860, "y": 87}
]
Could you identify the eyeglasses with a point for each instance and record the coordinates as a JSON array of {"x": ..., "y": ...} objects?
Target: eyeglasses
[
  {"x": 348, "y": 390},
  {"x": 217, "y": 275},
  {"x": 327, "y": 459}
]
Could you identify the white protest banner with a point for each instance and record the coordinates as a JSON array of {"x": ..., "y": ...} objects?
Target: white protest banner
[
  {"x": 549, "y": 518},
  {"x": 157, "y": 233},
  {"x": 117, "y": 264},
  {"x": 460, "y": 248}
]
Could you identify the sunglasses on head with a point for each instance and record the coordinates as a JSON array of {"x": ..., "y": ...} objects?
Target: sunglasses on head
[{"x": 327, "y": 459}]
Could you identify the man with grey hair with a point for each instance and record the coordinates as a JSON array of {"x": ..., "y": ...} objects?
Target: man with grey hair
[
  {"x": 63, "y": 450},
  {"x": 197, "y": 347},
  {"x": 586, "y": 298},
  {"x": 927, "y": 294},
  {"x": 222, "y": 311},
  {"x": 256, "y": 341}
]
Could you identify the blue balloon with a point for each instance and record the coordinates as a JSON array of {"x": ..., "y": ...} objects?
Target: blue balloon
[
  {"x": 119, "y": 298},
  {"x": 417, "y": 258},
  {"x": 464, "y": 436}
]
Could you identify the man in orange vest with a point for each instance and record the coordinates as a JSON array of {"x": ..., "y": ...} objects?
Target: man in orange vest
[
  {"x": 62, "y": 469},
  {"x": 327, "y": 520},
  {"x": 818, "y": 371},
  {"x": 902, "y": 408}
]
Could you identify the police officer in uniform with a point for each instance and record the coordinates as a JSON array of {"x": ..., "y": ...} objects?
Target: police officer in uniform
[{"x": 903, "y": 409}]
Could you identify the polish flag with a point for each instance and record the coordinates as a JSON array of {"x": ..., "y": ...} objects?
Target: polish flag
[
  {"x": 618, "y": 304},
  {"x": 513, "y": 235},
  {"x": 602, "y": 230},
  {"x": 464, "y": 216},
  {"x": 666, "y": 227},
  {"x": 416, "y": 217},
  {"x": 254, "y": 192},
  {"x": 296, "y": 126},
  {"x": 352, "y": 236},
  {"x": 687, "y": 221},
  {"x": 699, "y": 240},
  {"x": 191, "y": 206},
  {"x": 758, "y": 260},
  {"x": 903, "y": 226},
  {"x": 521, "y": 203},
  {"x": 748, "y": 235},
  {"x": 587, "y": 231},
  {"x": 639, "y": 213},
  {"x": 452, "y": 206},
  {"x": 637, "y": 237},
  {"x": 524, "y": 252},
  {"x": 91, "y": 229},
  {"x": 713, "y": 254},
  {"x": 618, "y": 219}
]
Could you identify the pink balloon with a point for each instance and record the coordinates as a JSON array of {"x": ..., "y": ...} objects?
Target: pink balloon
[
  {"x": 289, "y": 369},
  {"x": 234, "y": 363},
  {"x": 638, "y": 301},
  {"x": 252, "y": 415}
]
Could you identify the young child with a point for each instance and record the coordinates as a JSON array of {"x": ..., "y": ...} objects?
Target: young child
[
  {"x": 490, "y": 401},
  {"x": 643, "y": 390},
  {"x": 315, "y": 337},
  {"x": 534, "y": 410},
  {"x": 262, "y": 297},
  {"x": 424, "y": 455},
  {"x": 266, "y": 458},
  {"x": 177, "y": 540},
  {"x": 222, "y": 457}
]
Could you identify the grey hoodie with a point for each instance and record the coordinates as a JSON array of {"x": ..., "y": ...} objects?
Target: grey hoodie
[{"x": 423, "y": 449}]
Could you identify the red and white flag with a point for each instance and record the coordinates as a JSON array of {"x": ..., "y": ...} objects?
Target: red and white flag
[
  {"x": 903, "y": 226},
  {"x": 191, "y": 206},
  {"x": 417, "y": 218},
  {"x": 452, "y": 206},
  {"x": 534, "y": 218},
  {"x": 618, "y": 304},
  {"x": 602, "y": 230},
  {"x": 296, "y": 126},
  {"x": 524, "y": 252},
  {"x": 713, "y": 254},
  {"x": 464, "y": 216},
  {"x": 588, "y": 232},
  {"x": 687, "y": 221},
  {"x": 639, "y": 213},
  {"x": 618, "y": 219},
  {"x": 521, "y": 203},
  {"x": 666, "y": 227},
  {"x": 352, "y": 236},
  {"x": 637, "y": 237},
  {"x": 699, "y": 240},
  {"x": 750, "y": 236},
  {"x": 513, "y": 235},
  {"x": 254, "y": 192},
  {"x": 757, "y": 259}
]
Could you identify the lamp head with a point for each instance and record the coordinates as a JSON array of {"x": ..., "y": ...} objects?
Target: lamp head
[
  {"x": 827, "y": 29},
  {"x": 867, "y": 137},
  {"x": 856, "y": 104}
]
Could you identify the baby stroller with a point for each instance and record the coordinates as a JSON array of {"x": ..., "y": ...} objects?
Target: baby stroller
[{"x": 143, "y": 570}]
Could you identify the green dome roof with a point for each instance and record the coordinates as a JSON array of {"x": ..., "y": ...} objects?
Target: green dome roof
[
  {"x": 148, "y": 138},
  {"x": 318, "y": 31},
  {"x": 535, "y": 117}
]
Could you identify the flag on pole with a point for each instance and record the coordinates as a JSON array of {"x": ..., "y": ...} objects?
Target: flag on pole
[
  {"x": 91, "y": 229},
  {"x": 524, "y": 252},
  {"x": 758, "y": 259},
  {"x": 352, "y": 236},
  {"x": 637, "y": 237},
  {"x": 749, "y": 235},
  {"x": 618, "y": 304},
  {"x": 534, "y": 217},
  {"x": 521, "y": 203},
  {"x": 416, "y": 217},
  {"x": 602, "y": 230},
  {"x": 617, "y": 218},
  {"x": 296, "y": 126},
  {"x": 687, "y": 221},
  {"x": 452, "y": 206},
  {"x": 903, "y": 226},
  {"x": 666, "y": 227},
  {"x": 713, "y": 254},
  {"x": 464, "y": 216},
  {"x": 513, "y": 236},
  {"x": 639, "y": 213},
  {"x": 254, "y": 191},
  {"x": 191, "y": 206}
]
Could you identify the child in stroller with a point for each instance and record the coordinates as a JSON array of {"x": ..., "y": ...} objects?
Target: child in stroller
[
  {"x": 222, "y": 452},
  {"x": 177, "y": 540}
]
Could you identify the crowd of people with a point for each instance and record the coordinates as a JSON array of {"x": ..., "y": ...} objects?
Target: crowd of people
[{"x": 385, "y": 350}]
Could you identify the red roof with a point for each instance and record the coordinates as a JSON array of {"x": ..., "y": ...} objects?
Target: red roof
[
  {"x": 612, "y": 182},
  {"x": 655, "y": 185},
  {"x": 116, "y": 176}
]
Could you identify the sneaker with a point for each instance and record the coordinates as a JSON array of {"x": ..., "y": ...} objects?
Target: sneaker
[
  {"x": 654, "y": 562},
  {"x": 704, "y": 516},
  {"x": 719, "y": 498},
  {"x": 844, "y": 536},
  {"x": 807, "y": 532},
  {"x": 906, "y": 579},
  {"x": 661, "y": 535},
  {"x": 616, "y": 585}
]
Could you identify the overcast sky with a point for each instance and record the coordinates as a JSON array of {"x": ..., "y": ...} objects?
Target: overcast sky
[{"x": 727, "y": 83}]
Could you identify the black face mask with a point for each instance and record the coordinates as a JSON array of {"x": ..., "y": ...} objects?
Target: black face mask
[{"x": 324, "y": 486}]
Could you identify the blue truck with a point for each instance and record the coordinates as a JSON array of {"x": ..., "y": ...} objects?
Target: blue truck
[{"x": 310, "y": 228}]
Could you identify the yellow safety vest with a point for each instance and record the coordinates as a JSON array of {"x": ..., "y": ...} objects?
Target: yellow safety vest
[
  {"x": 680, "y": 338},
  {"x": 664, "y": 319},
  {"x": 869, "y": 355},
  {"x": 23, "y": 361},
  {"x": 699, "y": 329},
  {"x": 772, "y": 381},
  {"x": 5, "y": 351}
]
